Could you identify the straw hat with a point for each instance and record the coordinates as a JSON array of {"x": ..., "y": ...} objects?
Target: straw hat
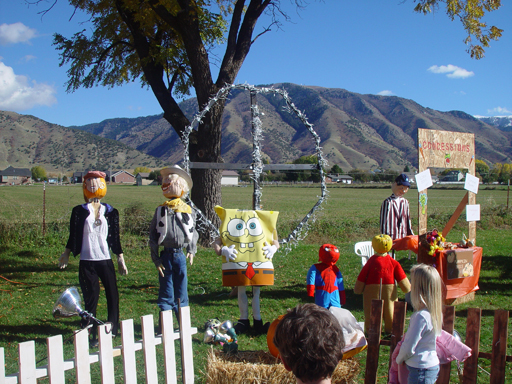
[{"x": 176, "y": 169}]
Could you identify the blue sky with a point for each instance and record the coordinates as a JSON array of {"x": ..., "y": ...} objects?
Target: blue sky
[{"x": 368, "y": 47}]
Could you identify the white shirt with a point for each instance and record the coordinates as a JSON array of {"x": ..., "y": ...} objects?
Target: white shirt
[
  {"x": 94, "y": 241},
  {"x": 418, "y": 349}
]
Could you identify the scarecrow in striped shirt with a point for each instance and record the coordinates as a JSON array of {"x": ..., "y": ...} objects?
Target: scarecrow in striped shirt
[{"x": 395, "y": 218}]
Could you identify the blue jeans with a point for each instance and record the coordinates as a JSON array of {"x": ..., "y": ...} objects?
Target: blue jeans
[
  {"x": 173, "y": 286},
  {"x": 423, "y": 375}
]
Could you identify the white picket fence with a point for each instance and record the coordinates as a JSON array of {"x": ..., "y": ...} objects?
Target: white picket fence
[{"x": 55, "y": 370}]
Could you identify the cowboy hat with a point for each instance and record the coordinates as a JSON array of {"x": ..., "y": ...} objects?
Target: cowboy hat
[{"x": 176, "y": 169}]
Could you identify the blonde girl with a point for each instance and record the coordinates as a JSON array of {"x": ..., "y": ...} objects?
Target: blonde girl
[{"x": 418, "y": 350}]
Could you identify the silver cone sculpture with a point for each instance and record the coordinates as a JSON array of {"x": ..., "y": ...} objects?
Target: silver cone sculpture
[{"x": 69, "y": 304}]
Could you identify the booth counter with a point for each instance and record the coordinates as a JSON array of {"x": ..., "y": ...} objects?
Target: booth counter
[{"x": 460, "y": 270}]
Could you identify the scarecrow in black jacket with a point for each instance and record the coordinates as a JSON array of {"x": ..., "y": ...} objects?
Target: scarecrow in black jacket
[{"x": 93, "y": 232}]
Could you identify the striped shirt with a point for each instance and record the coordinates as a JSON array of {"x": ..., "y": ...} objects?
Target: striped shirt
[{"x": 395, "y": 219}]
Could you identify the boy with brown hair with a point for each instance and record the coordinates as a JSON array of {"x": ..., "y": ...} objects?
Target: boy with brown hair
[{"x": 310, "y": 342}]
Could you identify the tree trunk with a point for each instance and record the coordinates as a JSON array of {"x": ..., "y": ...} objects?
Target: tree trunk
[{"x": 205, "y": 146}]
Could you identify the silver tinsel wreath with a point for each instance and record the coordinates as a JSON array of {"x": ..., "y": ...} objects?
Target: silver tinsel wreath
[{"x": 301, "y": 230}]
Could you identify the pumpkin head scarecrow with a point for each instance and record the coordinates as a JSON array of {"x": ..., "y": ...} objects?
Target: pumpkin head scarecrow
[
  {"x": 377, "y": 279},
  {"x": 93, "y": 232},
  {"x": 324, "y": 280},
  {"x": 247, "y": 243},
  {"x": 173, "y": 228}
]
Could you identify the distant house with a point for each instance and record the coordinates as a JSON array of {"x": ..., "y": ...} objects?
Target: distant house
[
  {"x": 452, "y": 176},
  {"x": 123, "y": 177},
  {"x": 411, "y": 176},
  {"x": 110, "y": 176},
  {"x": 15, "y": 176},
  {"x": 229, "y": 178},
  {"x": 337, "y": 178},
  {"x": 78, "y": 177},
  {"x": 142, "y": 178}
]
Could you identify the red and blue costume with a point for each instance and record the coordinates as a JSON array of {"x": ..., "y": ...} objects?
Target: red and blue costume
[{"x": 324, "y": 280}]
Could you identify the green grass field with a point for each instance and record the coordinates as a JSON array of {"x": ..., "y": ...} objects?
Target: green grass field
[{"x": 31, "y": 280}]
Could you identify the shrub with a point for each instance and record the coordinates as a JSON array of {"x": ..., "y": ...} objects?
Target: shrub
[{"x": 136, "y": 221}]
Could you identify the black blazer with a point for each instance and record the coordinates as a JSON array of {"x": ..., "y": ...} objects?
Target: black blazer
[{"x": 76, "y": 228}]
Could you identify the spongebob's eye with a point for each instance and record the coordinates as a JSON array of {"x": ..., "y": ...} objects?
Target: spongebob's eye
[
  {"x": 236, "y": 227},
  {"x": 254, "y": 227}
]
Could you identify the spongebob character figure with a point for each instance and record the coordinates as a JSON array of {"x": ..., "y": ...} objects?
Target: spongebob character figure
[{"x": 247, "y": 243}]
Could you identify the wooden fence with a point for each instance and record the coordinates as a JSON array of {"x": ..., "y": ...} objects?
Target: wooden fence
[
  {"x": 498, "y": 354},
  {"x": 57, "y": 366}
]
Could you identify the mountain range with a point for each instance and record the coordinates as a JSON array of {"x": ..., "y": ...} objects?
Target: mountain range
[{"x": 356, "y": 131}]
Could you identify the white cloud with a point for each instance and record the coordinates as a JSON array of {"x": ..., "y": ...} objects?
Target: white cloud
[
  {"x": 27, "y": 58},
  {"x": 18, "y": 94},
  {"x": 385, "y": 93},
  {"x": 451, "y": 71},
  {"x": 499, "y": 111},
  {"x": 15, "y": 33}
]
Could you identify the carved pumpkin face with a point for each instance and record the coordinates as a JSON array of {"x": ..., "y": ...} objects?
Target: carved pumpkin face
[
  {"x": 94, "y": 187},
  {"x": 382, "y": 244}
]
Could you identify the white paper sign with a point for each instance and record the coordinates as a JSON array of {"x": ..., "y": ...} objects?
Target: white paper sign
[
  {"x": 471, "y": 183},
  {"x": 473, "y": 212},
  {"x": 423, "y": 179}
]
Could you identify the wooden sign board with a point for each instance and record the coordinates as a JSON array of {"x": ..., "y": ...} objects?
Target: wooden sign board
[{"x": 444, "y": 149}]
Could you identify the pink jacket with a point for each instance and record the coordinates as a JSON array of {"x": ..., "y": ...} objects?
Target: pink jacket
[{"x": 448, "y": 348}]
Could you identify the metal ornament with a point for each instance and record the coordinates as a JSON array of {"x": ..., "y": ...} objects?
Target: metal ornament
[
  {"x": 300, "y": 232},
  {"x": 209, "y": 336},
  {"x": 225, "y": 326},
  {"x": 221, "y": 333},
  {"x": 69, "y": 304}
]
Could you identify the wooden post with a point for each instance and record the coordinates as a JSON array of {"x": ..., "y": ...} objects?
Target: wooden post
[
  {"x": 128, "y": 352},
  {"x": 374, "y": 333},
  {"x": 106, "y": 353},
  {"x": 56, "y": 368},
  {"x": 187, "y": 354},
  {"x": 469, "y": 376},
  {"x": 448, "y": 320},
  {"x": 44, "y": 208},
  {"x": 148, "y": 347},
  {"x": 27, "y": 362},
  {"x": 166, "y": 320},
  {"x": 456, "y": 214},
  {"x": 398, "y": 326},
  {"x": 82, "y": 362},
  {"x": 508, "y": 192},
  {"x": 499, "y": 347}
]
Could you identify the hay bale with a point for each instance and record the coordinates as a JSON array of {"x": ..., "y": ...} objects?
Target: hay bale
[{"x": 262, "y": 368}]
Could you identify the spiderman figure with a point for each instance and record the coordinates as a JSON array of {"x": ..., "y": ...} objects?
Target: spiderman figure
[{"x": 324, "y": 280}]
